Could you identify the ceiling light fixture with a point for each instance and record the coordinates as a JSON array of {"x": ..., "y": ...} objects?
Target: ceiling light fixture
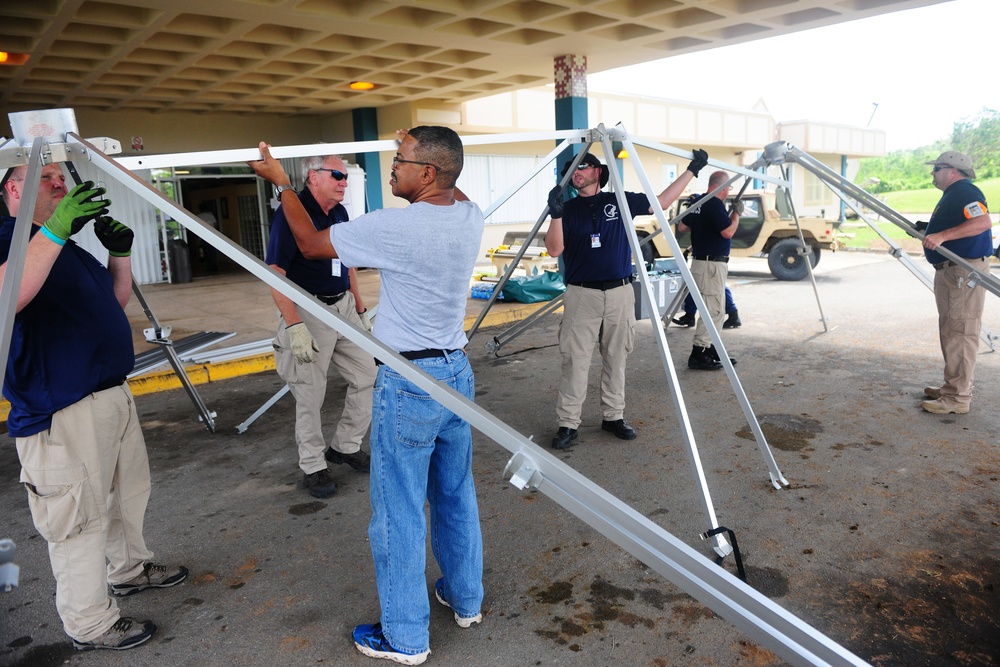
[
  {"x": 7, "y": 58},
  {"x": 361, "y": 85}
]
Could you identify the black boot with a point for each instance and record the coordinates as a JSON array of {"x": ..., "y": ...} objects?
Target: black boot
[
  {"x": 733, "y": 321},
  {"x": 714, "y": 354},
  {"x": 701, "y": 360},
  {"x": 685, "y": 320}
]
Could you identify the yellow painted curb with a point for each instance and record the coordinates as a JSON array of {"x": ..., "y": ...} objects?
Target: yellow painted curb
[{"x": 156, "y": 381}]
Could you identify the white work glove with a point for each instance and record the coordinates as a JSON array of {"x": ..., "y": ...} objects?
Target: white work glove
[
  {"x": 303, "y": 344},
  {"x": 366, "y": 320}
]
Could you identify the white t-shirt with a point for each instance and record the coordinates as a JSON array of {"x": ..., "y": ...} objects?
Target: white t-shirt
[{"x": 426, "y": 255}]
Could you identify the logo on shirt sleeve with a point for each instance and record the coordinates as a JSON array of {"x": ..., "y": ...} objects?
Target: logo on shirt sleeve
[{"x": 974, "y": 210}]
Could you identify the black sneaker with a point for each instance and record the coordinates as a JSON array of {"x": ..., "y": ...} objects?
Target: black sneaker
[
  {"x": 733, "y": 321},
  {"x": 359, "y": 460},
  {"x": 126, "y": 633},
  {"x": 620, "y": 428},
  {"x": 152, "y": 576},
  {"x": 564, "y": 438},
  {"x": 685, "y": 320},
  {"x": 320, "y": 484}
]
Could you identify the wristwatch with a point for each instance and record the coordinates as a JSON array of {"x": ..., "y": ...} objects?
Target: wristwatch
[{"x": 278, "y": 189}]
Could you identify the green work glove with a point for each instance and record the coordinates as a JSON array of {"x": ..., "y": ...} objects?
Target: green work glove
[
  {"x": 76, "y": 209},
  {"x": 115, "y": 236},
  {"x": 303, "y": 344}
]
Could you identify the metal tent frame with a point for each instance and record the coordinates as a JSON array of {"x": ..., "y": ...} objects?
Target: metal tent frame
[{"x": 530, "y": 466}]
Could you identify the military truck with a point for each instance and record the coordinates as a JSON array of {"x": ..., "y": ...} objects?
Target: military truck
[{"x": 766, "y": 229}]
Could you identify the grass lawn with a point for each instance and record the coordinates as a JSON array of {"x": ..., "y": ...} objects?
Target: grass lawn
[
  {"x": 923, "y": 201},
  {"x": 914, "y": 205}
]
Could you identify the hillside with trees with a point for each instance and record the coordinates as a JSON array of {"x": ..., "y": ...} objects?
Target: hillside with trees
[{"x": 978, "y": 137}]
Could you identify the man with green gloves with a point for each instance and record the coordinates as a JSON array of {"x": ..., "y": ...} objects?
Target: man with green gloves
[{"x": 83, "y": 457}]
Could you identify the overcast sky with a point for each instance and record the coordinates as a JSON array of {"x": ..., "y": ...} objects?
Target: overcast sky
[{"x": 925, "y": 68}]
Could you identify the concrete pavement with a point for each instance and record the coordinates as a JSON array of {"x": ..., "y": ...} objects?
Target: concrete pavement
[{"x": 885, "y": 540}]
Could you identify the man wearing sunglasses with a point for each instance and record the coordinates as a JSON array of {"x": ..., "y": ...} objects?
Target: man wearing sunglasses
[
  {"x": 599, "y": 303},
  {"x": 305, "y": 348},
  {"x": 961, "y": 223}
]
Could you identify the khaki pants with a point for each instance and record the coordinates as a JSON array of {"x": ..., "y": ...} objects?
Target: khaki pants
[
  {"x": 87, "y": 479},
  {"x": 308, "y": 385},
  {"x": 960, "y": 315},
  {"x": 591, "y": 316},
  {"x": 710, "y": 277}
]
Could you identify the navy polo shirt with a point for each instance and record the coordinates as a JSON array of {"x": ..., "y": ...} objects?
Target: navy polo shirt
[
  {"x": 72, "y": 340},
  {"x": 706, "y": 227},
  {"x": 961, "y": 201},
  {"x": 609, "y": 256},
  {"x": 313, "y": 275}
]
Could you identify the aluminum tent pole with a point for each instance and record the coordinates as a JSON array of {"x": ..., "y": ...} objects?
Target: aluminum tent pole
[
  {"x": 777, "y": 479},
  {"x": 804, "y": 251},
  {"x": 16, "y": 256},
  {"x": 722, "y": 547},
  {"x": 531, "y": 236}
]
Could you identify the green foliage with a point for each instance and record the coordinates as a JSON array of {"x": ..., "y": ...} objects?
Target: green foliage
[{"x": 978, "y": 137}]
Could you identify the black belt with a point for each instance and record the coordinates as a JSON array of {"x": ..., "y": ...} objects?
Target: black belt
[
  {"x": 109, "y": 384},
  {"x": 330, "y": 300},
  {"x": 605, "y": 285},
  {"x": 942, "y": 265},
  {"x": 422, "y": 354},
  {"x": 712, "y": 258}
]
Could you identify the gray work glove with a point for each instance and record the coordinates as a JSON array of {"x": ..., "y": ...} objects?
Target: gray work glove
[
  {"x": 556, "y": 202},
  {"x": 366, "y": 320},
  {"x": 699, "y": 161},
  {"x": 737, "y": 206},
  {"x": 303, "y": 344}
]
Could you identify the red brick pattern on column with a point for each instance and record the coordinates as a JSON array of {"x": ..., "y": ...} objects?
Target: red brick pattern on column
[{"x": 570, "y": 76}]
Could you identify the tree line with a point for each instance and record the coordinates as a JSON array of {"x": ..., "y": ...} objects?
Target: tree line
[{"x": 978, "y": 137}]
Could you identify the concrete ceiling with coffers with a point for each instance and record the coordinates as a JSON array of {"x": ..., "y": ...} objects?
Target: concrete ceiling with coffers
[{"x": 298, "y": 56}]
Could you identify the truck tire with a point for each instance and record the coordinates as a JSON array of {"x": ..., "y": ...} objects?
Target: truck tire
[
  {"x": 648, "y": 251},
  {"x": 785, "y": 261}
]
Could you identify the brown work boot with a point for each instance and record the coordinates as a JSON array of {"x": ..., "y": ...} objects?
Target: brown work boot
[
  {"x": 944, "y": 406},
  {"x": 933, "y": 393}
]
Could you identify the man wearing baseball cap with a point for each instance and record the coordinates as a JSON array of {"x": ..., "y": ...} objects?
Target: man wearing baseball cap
[
  {"x": 599, "y": 303},
  {"x": 961, "y": 223}
]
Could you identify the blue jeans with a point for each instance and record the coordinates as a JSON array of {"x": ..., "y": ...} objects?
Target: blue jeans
[{"x": 422, "y": 451}]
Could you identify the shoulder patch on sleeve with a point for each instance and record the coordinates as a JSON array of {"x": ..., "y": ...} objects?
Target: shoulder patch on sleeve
[{"x": 975, "y": 209}]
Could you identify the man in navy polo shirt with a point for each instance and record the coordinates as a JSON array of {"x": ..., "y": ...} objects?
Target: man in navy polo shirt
[
  {"x": 961, "y": 223},
  {"x": 712, "y": 229},
  {"x": 305, "y": 348},
  {"x": 83, "y": 457},
  {"x": 599, "y": 303}
]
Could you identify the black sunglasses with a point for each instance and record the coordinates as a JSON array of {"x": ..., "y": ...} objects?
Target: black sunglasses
[
  {"x": 398, "y": 159},
  {"x": 336, "y": 173}
]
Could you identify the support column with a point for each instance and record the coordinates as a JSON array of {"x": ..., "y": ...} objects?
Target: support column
[
  {"x": 571, "y": 99},
  {"x": 366, "y": 129}
]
